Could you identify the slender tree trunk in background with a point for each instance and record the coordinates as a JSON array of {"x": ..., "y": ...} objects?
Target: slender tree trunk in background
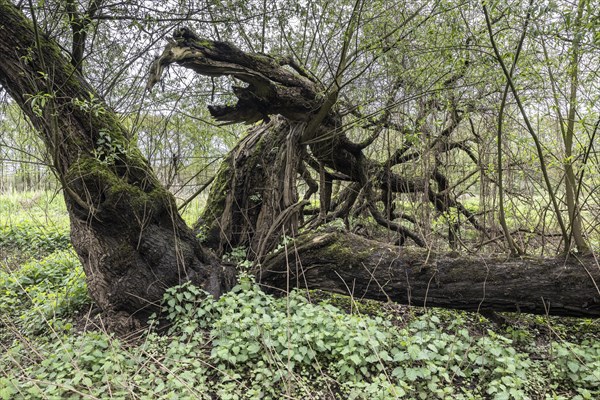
[
  {"x": 568, "y": 135},
  {"x": 568, "y": 131},
  {"x": 124, "y": 225},
  {"x": 540, "y": 152},
  {"x": 513, "y": 247}
]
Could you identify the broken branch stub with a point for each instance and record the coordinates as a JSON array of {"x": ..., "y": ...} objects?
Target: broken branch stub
[{"x": 271, "y": 87}]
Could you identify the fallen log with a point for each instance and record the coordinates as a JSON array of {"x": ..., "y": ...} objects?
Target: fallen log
[{"x": 345, "y": 263}]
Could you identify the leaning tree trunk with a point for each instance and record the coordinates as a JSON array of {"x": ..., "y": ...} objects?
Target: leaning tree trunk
[
  {"x": 253, "y": 199},
  {"x": 349, "y": 264},
  {"x": 124, "y": 224},
  {"x": 248, "y": 201}
]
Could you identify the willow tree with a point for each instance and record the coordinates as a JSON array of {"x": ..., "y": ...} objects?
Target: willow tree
[
  {"x": 124, "y": 224},
  {"x": 133, "y": 244},
  {"x": 255, "y": 199}
]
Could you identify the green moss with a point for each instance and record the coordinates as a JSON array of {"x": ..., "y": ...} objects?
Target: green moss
[
  {"x": 205, "y": 43},
  {"x": 343, "y": 247},
  {"x": 130, "y": 193}
]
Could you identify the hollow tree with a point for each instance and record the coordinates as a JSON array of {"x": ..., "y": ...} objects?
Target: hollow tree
[{"x": 133, "y": 244}]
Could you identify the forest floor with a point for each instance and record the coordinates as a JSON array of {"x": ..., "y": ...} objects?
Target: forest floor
[{"x": 250, "y": 345}]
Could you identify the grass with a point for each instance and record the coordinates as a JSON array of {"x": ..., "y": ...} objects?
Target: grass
[
  {"x": 39, "y": 207},
  {"x": 33, "y": 224},
  {"x": 250, "y": 345}
]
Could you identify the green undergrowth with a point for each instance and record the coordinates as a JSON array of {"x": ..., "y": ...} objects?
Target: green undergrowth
[
  {"x": 252, "y": 345},
  {"x": 33, "y": 224},
  {"x": 23, "y": 237},
  {"x": 41, "y": 292},
  {"x": 45, "y": 208}
]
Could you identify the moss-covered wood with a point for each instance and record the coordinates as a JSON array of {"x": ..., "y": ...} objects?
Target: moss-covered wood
[
  {"x": 253, "y": 188},
  {"x": 345, "y": 263},
  {"x": 133, "y": 244},
  {"x": 124, "y": 225}
]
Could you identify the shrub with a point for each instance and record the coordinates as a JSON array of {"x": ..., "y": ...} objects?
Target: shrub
[{"x": 250, "y": 345}]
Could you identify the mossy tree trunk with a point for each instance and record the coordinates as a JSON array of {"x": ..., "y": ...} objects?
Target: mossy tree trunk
[
  {"x": 133, "y": 244},
  {"x": 345, "y": 263},
  {"x": 124, "y": 225},
  {"x": 254, "y": 200},
  {"x": 254, "y": 197}
]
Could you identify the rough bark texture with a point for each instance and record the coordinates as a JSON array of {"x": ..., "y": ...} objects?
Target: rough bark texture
[
  {"x": 124, "y": 225},
  {"x": 254, "y": 196},
  {"x": 349, "y": 264},
  {"x": 272, "y": 89}
]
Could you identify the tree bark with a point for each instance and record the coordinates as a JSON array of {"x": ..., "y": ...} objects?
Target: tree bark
[
  {"x": 254, "y": 199},
  {"x": 124, "y": 225},
  {"x": 345, "y": 263}
]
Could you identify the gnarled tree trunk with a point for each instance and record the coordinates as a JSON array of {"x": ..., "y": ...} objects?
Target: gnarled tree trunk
[
  {"x": 343, "y": 262},
  {"x": 133, "y": 244},
  {"x": 275, "y": 87},
  {"x": 254, "y": 199},
  {"x": 124, "y": 224}
]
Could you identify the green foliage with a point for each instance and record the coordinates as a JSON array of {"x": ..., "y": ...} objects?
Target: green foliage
[
  {"x": 39, "y": 293},
  {"x": 33, "y": 239},
  {"x": 68, "y": 366},
  {"x": 109, "y": 149},
  {"x": 263, "y": 341},
  {"x": 33, "y": 224},
  {"x": 188, "y": 309},
  {"x": 38, "y": 101},
  {"x": 576, "y": 365},
  {"x": 272, "y": 346},
  {"x": 238, "y": 256},
  {"x": 255, "y": 330},
  {"x": 251, "y": 345},
  {"x": 93, "y": 106},
  {"x": 41, "y": 206}
]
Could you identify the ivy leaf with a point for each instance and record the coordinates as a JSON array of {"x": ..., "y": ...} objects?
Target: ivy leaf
[
  {"x": 398, "y": 372},
  {"x": 412, "y": 374},
  {"x": 573, "y": 366},
  {"x": 356, "y": 359}
]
